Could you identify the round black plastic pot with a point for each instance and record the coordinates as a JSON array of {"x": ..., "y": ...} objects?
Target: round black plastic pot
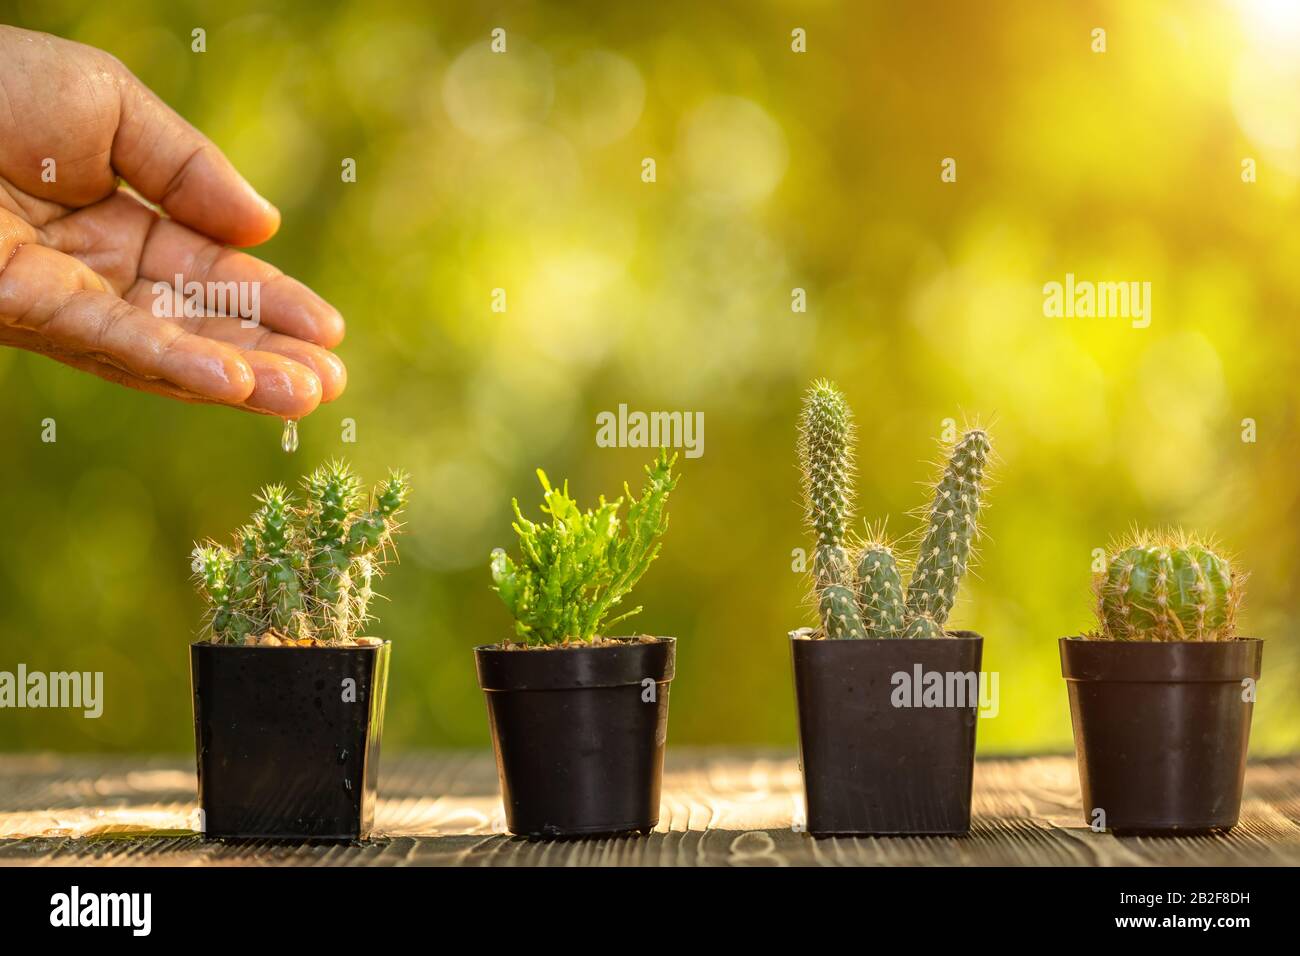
[
  {"x": 1161, "y": 730},
  {"x": 288, "y": 739},
  {"x": 579, "y": 734},
  {"x": 879, "y": 754}
]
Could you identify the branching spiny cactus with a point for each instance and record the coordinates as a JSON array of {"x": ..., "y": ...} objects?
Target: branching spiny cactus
[
  {"x": 303, "y": 573},
  {"x": 950, "y": 530},
  {"x": 1168, "y": 587},
  {"x": 865, "y": 597}
]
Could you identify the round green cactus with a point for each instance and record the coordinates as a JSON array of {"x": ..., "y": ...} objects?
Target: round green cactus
[{"x": 1167, "y": 588}]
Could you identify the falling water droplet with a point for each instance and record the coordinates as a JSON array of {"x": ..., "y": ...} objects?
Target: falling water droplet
[{"x": 289, "y": 439}]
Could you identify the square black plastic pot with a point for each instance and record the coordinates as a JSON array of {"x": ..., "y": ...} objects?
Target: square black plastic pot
[
  {"x": 288, "y": 739},
  {"x": 579, "y": 734},
  {"x": 873, "y": 768},
  {"x": 1161, "y": 731}
]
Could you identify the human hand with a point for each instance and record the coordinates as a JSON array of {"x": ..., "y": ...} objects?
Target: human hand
[{"x": 80, "y": 256}]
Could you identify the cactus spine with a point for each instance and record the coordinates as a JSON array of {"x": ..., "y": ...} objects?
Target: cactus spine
[
  {"x": 951, "y": 527},
  {"x": 1167, "y": 587},
  {"x": 865, "y": 598},
  {"x": 826, "y": 453}
]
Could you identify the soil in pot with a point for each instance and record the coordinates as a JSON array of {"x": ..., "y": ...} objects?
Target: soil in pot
[
  {"x": 288, "y": 739},
  {"x": 1161, "y": 730},
  {"x": 579, "y": 733},
  {"x": 878, "y": 758}
]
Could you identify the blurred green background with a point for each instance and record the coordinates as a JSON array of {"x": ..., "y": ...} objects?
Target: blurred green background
[{"x": 775, "y": 170}]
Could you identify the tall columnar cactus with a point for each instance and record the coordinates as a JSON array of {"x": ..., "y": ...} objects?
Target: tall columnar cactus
[
  {"x": 826, "y": 452},
  {"x": 303, "y": 573},
  {"x": 865, "y": 598},
  {"x": 1167, "y": 587},
  {"x": 950, "y": 529}
]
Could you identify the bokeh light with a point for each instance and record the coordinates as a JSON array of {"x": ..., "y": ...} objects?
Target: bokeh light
[{"x": 775, "y": 171}]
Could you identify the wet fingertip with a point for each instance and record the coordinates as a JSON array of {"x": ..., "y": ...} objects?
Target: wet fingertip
[
  {"x": 271, "y": 216},
  {"x": 333, "y": 383},
  {"x": 330, "y": 326},
  {"x": 223, "y": 377},
  {"x": 289, "y": 394},
  {"x": 255, "y": 230},
  {"x": 260, "y": 219},
  {"x": 242, "y": 378}
]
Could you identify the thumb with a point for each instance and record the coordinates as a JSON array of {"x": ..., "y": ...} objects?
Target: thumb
[{"x": 171, "y": 163}]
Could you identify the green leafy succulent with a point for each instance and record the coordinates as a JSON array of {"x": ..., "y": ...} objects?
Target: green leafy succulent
[{"x": 575, "y": 569}]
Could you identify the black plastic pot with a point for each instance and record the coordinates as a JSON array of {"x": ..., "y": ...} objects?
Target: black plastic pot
[
  {"x": 870, "y": 767},
  {"x": 1161, "y": 730},
  {"x": 288, "y": 739},
  {"x": 579, "y": 734}
]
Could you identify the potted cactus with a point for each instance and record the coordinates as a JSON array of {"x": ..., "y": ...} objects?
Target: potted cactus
[
  {"x": 579, "y": 719},
  {"x": 873, "y": 761},
  {"x": 1161, "y": 693},
  {"x": 288, "y": 689}
]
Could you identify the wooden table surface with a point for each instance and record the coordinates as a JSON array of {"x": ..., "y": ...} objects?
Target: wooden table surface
[{"x": 719, "y": 808}]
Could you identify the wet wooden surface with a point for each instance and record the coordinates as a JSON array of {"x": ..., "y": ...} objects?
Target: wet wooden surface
[{"x": 719, "y": 808}]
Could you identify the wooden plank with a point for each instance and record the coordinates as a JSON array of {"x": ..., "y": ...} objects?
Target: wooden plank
[{"x": 720, "y": 808}]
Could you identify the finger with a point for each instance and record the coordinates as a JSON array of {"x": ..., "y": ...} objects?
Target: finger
[
  {"x": 284, "y": 387},
  {"x": 327, "y": 366},
  {"x": 62, "y": 299},
  {"x": 173, "y": 164},
  {"x": 285, "y": 304},
  {"x": 34, "y": 342}
]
